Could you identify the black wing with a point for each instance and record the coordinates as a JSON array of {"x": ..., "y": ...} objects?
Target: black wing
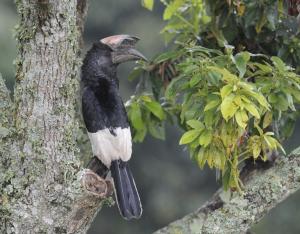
[
  {"x": 103, "y": 109},
  {"x": 93, "y": 115}
]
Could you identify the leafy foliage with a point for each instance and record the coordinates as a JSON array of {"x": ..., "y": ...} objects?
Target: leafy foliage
[
  {"x": 146, "y": 114},
  {"x": 148, "y": 4},
  {"x": 232, "y": 91}
]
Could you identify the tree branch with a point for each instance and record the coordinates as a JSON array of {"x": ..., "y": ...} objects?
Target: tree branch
[{"x": 264, "y": 189}]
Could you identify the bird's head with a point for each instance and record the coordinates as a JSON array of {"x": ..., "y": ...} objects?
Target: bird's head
[{"x": 122, "y": 48}]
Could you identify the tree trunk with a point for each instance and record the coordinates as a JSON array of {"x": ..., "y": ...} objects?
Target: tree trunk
[{"x": 40, "y": 164}]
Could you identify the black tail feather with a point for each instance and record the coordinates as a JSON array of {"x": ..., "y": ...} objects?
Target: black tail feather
[{"x": 125, "y": 190}]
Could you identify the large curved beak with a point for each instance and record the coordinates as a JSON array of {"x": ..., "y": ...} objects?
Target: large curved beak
[
  {"x": 127, "y": 54},
  {"x": 123, "y": 48}
]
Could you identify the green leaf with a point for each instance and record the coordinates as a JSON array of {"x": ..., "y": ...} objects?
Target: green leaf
[
  {"x": 256, "y": 149},
  {"x": 248, "y": 87},
  {"x": 238, "y": 100},
  {"x": 267, "y": 119},
  {"x": 241, "y": 60},
  {"x": 264, "y": 68},
  {"x": 212, "y": 104},
  {"x": 146, "y": 98},
  {"x": 271, "y": 142},
  {"x": 210, "y": 158},
  {"x": 201, "y": 157},
  {"x": 241, "y": 9},
  {"x": 166, "y": 56},
  {"x": 288, "y": 129},
  {"x": 228, "y": 107},
  {"x": 196, "y": 124},
  {"x": 156, "y": 130},
  {"x": 205, "y": 138},
  {"x": 280, "y": 6},
  {"x": 214, "y": 77},
  {"x": 210, "y": 117},
  {"x": 135, "y": 116},
  {"x": 205, "y": 50},
  {"x": 261, "y": 99},
  {"x": 195, "y": 80},
  {"x": 191, "y": 69},
  {"x": 219, "y": 158},
  {"x": 177, "y": 84},
  {"x": 139, "y": 135},
  {"x": 296, "y": 94},
  {"x": 280, "y": 146},
  {"x": 156, "y": 109},
  {"x": 226, "y": 90},
  {"x": 282, "y": 103},
  {"x": 261, "y": 22},
  {"x": 172, "y": 8},
  {"x": 261, "y": 132},
  {"x": 290, "y": 101},
  {"x": 241, "y": 118},
  {"x": 279, "y": 64},
  {"x": 189, "y": 136},
  {"x": 227, "y": 76},
  {"x": 148, "y": 4},
  {"x": 252, "y": 110}
]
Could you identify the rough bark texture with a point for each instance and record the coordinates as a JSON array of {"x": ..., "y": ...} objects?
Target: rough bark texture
[
  {"x": 40, "y": 175},
  {"x": 5, "y": 107},
  {"x": 235, "y": 213}
]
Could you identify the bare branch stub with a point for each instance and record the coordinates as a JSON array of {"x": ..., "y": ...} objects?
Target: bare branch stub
[
  {"x": 97, "y": 190},
  {"x": 96, "y": 185}
]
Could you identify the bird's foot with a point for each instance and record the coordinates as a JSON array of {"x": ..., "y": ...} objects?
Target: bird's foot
[{"x": 96, "y": 185}]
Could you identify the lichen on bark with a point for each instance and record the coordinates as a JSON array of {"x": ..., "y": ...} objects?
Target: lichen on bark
[
  {"x": 225, "y": 212},
  {"x": 5, "y": 105},
  {"x": 40, "y": 166}
]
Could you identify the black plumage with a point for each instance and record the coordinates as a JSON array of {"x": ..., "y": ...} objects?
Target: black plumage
[
  {"x": 106, "y": 119},
  {"x": 102, "y": 106}
]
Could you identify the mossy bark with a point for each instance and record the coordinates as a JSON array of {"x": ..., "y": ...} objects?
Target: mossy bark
[
  {"x": 40, "y": 167},
  {"x": 237, "y": 213}
]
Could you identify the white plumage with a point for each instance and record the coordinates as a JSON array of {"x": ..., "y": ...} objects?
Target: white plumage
[{"x": 108, "y": 147}]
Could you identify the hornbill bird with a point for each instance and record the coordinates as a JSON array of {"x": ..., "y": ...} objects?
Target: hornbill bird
[{"x": 106, "y": 119}]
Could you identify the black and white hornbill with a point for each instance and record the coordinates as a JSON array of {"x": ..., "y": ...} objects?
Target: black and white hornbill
[{"x": 106, "y": 119}]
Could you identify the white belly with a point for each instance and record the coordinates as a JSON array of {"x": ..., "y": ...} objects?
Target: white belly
[{"x": 108, "y": 147}]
